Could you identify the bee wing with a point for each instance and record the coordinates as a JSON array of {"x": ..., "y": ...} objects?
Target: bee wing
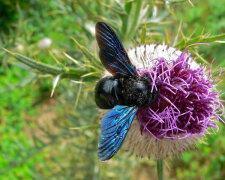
[
  {"x": 114, "y": 127},
  {"x": 112, "y": 52}
]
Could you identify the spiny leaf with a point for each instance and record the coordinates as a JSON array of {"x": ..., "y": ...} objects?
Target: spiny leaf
[
  {"x": 88, "y": 11},
  {"x": 45, "y": 68},
  {"x": 134, "y": 23},
  {"x": 199, "y": 39},
  {"x": 116, "y": 9},
  {"x": 91, "y": 58},
  {"x": 143, "y": 34},
  {"x": 86, "y": 74},
  {"x": 179, "y": 1}
]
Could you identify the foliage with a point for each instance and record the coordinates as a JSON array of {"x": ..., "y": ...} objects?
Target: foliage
[{"x": 37, "y": 141}]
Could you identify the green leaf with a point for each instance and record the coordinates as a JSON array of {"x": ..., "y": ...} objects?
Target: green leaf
[
  {"x": 91, "y": 58},
  {"x": 86, "y": 74},
  {"x": 200, "y": 39}
]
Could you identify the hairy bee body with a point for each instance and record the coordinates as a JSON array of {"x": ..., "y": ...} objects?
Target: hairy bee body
[{"x": 128, "y": 91}]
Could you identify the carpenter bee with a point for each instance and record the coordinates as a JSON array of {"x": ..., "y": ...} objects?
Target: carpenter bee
[{"x": 124, "y": 92}]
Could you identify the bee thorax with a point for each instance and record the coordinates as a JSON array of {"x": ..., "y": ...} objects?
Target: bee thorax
[{"x": 136, "y": 91}]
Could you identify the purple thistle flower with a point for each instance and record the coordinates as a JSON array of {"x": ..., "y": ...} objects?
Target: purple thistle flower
[{"x": 187, "y": 107}]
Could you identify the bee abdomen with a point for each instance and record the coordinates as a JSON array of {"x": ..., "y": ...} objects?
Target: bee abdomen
[{"x": 107, "y": 92}]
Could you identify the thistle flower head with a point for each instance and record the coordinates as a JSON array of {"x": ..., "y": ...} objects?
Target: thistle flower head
[{"x": 187, "y": 107}]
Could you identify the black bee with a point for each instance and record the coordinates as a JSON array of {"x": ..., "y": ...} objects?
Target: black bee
[
  {"x": 125, "y": 91},
  {"x": 125, "y": 87}
]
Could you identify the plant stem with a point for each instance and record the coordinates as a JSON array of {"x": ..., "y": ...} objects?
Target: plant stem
[{"x": 160, "y": 169}]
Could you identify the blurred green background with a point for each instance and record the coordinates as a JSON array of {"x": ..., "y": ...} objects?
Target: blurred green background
[{"x": 36, "y": 139}]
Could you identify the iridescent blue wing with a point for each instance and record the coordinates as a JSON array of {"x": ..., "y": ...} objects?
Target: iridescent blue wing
[
  {"x": 112, "y": 52},
  {"x": 114, "y": 127}
]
